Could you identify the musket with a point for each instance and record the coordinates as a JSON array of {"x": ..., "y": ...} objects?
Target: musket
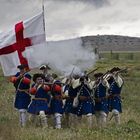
[
  {"x": 69, "y": 80},
  {"x": 101, "y": 78},
  {"x": 49, "y": 83},
  {"x": 92, "y": 71},
  {"x": 122, "y": 70},
  {"x": 72, "y": 72},
  {"x": 19, "y": 79},
  {"x": 105, "y": 75},
  {"x": 67, "y": 75}
]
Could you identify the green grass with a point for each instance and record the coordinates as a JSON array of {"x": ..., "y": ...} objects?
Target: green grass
[
  {"x": 122, "y": 56},
  {"x": 130, "y": 118}
]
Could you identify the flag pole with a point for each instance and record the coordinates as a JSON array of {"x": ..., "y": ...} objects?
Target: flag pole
[{"x": 43, "y": 17}]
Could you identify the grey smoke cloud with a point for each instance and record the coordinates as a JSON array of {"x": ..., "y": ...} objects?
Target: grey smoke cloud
[
  {"x": 66, "y": 19},
  {"x": 63, "y": 56}
]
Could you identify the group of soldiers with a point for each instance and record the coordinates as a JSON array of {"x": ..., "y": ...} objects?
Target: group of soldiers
[{"x": 73, "y": 96}]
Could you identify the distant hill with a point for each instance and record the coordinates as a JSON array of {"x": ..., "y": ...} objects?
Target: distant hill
[{"x": 112, "y": 42}]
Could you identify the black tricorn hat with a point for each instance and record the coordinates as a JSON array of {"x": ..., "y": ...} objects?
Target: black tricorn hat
[
  {"x": 35, "y": 76},
  {"x": 115, "y": 69},
  {"x": 96, "y": 75},
  {"x": 22, "y": 66},
  {"x": 42, "y": 67}
]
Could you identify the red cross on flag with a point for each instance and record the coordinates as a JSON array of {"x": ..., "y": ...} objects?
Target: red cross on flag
[{"x": 18, "y": 45}]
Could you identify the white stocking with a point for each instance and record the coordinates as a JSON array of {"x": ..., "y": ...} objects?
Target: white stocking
[
  {"x": 22, "y": 117},
  {"x": 58, "y": 117},
  {"x": 90, "y": 120},
  {"x": 116, "y": 115},
  {"x": 103, "y": 117},
  {"x": 43, "y": 119}
]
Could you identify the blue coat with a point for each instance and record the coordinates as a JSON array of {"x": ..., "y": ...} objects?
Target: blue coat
[
  {"x": 56, "y": 102},
  {"x": 68, "y": 108},
  {"x": 101, "y": 103},
  {"x": 22, "y": 99},
  {"x": 114, "y": 100},
  {"x": 85, "y": 105},
  {"x": 40, "y": 102}
]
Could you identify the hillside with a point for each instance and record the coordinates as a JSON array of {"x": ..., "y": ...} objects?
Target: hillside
[{"x": 112, "y": 42}]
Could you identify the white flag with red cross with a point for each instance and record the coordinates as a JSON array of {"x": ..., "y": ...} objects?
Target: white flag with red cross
[{"x": 19, "y": 44}]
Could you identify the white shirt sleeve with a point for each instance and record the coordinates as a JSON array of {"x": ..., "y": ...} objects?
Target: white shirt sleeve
[
  {"x": 118, "y": 80},
  {"x": 91, "y": 84},
  {"x": 105, "y": 83},
  {"x": 75, "y": 83}
]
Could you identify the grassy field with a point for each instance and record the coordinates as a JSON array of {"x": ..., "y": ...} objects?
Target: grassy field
[{"x": 130, "y": 118}]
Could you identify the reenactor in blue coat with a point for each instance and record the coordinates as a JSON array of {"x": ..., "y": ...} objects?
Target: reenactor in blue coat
[
  {"x": 45, "y": 71},
  {"x": 21, "y": 83},
  {"x": 57, "y": 103},
  {"x": 69, "y": 94},
  {"x": 101, "y": 103},
  {"x": 41, "y": 100},
  {"x": 84, "y": 97},
  {"x": 114, "y": 100}
]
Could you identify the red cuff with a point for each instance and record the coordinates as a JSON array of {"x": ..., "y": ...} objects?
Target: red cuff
[
  {"x": 13, "y": 79},
  {"x": 26, "y": 80},
  {"x": 33, "y": 91},
  {"x": 57, "y": 88},
  {"x": 47, "y": 88}
]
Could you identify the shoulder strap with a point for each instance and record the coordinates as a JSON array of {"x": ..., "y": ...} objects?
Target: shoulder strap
[{"x": 20, "y": 81}]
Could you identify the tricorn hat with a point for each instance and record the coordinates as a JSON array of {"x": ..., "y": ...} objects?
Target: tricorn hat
[
  {"x": 42, "y": 67},
  {"x": 35, "y": 76},
  {"x": 22, "y": 66}
]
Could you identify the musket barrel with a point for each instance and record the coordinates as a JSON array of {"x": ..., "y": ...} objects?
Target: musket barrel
[{"x": 93, "y": 71}]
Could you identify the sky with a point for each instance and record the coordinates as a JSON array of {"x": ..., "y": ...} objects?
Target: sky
[{"x": 65, "y": 19}]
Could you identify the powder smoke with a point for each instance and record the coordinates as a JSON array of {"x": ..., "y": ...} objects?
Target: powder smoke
[
  {"x": 64, "y": 56},
  {"x": 69, "y": 54}
]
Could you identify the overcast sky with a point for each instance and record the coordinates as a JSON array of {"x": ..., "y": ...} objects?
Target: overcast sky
[{"x": 66, "y": 19}]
